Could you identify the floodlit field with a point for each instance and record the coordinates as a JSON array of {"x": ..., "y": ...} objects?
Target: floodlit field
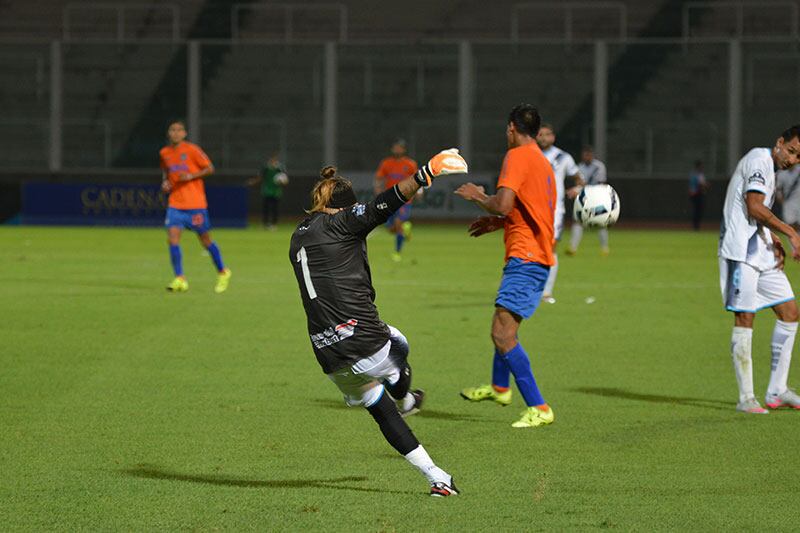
[{"x": 123, "y": 407}]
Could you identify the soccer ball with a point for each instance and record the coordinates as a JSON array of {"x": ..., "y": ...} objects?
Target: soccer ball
[
  {"x": 281, "y": 178},
  {"x": 596, "y": 206}
]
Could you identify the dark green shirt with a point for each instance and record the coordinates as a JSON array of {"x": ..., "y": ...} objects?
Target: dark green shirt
[{"x": 269, "y": 187}]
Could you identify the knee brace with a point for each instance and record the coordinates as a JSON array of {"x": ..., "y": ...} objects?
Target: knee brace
[
  {"x": 400, "y": 388},
  {"x": 399, "y": 346}
]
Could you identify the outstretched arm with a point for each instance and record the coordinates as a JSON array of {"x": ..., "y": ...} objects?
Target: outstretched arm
[
  {"x": 497, "y": 204},
  {"x": 573, "y": 191},
  {"x": 363, "y": 218}
]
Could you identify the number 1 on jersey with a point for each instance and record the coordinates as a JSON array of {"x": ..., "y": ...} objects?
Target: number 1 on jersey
[{"x": 302, "y": 258}]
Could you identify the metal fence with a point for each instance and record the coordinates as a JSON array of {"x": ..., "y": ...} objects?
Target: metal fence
[{"x": 650, "y": 108}]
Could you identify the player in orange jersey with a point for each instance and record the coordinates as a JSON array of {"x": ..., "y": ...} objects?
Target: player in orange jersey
[
  {"x": 183, "y": 167},
  {"x": 392, "y": 170},
  {"x": 524, "y": 207}
]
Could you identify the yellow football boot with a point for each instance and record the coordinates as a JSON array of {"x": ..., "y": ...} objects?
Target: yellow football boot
[
  {"x": 533, "y": 417},
  {"x": 179, "y": 284},
  {"x": 486, "y": 392},
  {"x": 223, "y": 278}
]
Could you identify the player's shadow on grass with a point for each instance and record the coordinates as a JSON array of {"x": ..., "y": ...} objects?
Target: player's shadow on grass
[
  {"x": 609, "y": 392},
  {"x": 424, "y": 413},
  {"x": 143, "y": 287},
  {"x": 146, "y": 471},
  {"x": 457, "y": 305}
]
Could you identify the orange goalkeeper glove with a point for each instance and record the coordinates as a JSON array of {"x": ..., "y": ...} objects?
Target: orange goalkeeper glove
[{"x": 445, "y": 162}]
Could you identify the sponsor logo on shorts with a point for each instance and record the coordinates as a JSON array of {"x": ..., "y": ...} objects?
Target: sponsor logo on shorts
[{"x": 335, "y": 334}]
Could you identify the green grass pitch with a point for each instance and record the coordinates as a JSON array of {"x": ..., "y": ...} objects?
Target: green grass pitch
[{"x": 123, "y": 407}]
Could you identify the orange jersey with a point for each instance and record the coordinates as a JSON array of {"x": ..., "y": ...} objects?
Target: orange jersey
[
  {"x": 185, "y": 158},
  {"x": 393, "y": 170},
  {"x": 529, "y": 233}
]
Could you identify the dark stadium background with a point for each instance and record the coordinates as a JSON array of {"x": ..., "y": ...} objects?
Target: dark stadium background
[{"x": 87, "y": 87}]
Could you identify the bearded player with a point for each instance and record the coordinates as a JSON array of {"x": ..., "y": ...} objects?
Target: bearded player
[
  {"x": 363, "y": 356},
  {"x": 751, "y": 260},
  {"x": 564, "y": 167},
  {"x": 524, "y": 207},
  {"x": 183, "y": 167},
  {"x": 392, "y": 170}
]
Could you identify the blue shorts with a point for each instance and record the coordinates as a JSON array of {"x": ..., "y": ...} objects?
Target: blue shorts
[
  {"x": 403, "y": 215},
  {"x": 193, "y": 219},
  {"x": 522, "y": 287}
]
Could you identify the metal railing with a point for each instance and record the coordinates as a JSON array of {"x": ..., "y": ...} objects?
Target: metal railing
[
  {"x": 120, "y": 10},
  {"x": 287, "y": 12},
  {"x": 569, "y": 9},
  {"x": 711, "y": 150},
  {"x": 225, "y": 126},
  {"x": 316, "y": 103},
  {"x": 739, "y": 7},
  {"x": 44, "y": 124},
  {"x": 37, "y": 60},
  {"x": 790, "y": 60}
]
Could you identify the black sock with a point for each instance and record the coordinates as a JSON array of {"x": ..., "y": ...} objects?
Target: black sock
[
  {"x": 392, "y": 425},
  {"x": 400, "y": 389}
]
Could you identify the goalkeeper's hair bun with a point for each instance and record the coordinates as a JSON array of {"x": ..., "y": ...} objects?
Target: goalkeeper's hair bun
[
  {"x": 331, "y": 191},
  {"x": 328, "y": 172}
]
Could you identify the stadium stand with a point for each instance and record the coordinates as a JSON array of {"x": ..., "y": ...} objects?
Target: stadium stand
[
  {"x": 262, "y": 95},
  {"x": 25, "y": 104}
]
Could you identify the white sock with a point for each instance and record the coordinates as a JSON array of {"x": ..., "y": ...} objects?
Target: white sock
[
  {"x": 741, "y": 347},
  {"x": 576, "y": 236},
  {"x": 551, "y": 278},
  {"x": 407, "y": 402},
  {"x": 603, "y": 235},
  {"x": 782, "y": 344},
  {"x": 420, "y": 458}
]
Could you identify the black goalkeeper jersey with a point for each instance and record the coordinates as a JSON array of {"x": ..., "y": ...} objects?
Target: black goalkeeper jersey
[{"x": 329, "y": 256}]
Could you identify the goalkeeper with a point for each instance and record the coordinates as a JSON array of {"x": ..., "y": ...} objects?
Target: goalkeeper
[{"x": 362, "y": 355}]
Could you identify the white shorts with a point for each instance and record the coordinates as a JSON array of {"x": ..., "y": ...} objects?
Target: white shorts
[
  {"x": 558, "y": 223},
  {"x": 362, "y": 383},
  {"x": 747, "y": 290}
]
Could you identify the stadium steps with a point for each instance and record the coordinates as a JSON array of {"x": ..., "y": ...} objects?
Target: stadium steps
[
  {"x": 696, "y": 127},
  {"x": 25, "y": 104},
  {"x": 623, "y": 88},
  {"x": 107, "y": 88},
  {"x": 44, "y": 20},
  {"x": 367, "y": 19},
  {"x": 255, "y": 85},
  {"x": 145, "y": 138}
]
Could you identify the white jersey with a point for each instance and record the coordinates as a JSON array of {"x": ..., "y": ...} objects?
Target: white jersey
[
  {"x": 594, "y": 172},
  {"x": 789, "y": 184},
  {"x": 563, "y": 166},
  {"x": 741, "y": 238}
]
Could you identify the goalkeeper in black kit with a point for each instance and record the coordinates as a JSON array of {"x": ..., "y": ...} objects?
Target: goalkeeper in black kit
[{"x": 364, "y": 357}]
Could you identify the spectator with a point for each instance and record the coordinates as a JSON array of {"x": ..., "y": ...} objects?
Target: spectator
[{"x": 273, "y": 179}]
